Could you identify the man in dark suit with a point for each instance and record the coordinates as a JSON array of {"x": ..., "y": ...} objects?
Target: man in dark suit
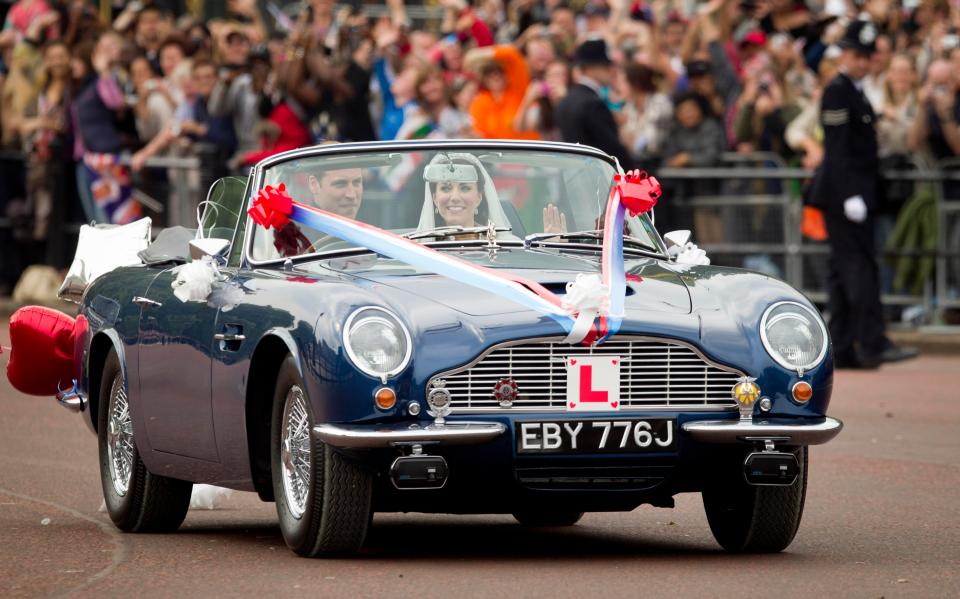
[
  {"x": 583, "y": 115},
  {"x": 846, "y": 191}
]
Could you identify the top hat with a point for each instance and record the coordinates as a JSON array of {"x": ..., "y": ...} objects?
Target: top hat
[
  {"x": 861, "y": 37},
  {"x": 592, "y": 52}
]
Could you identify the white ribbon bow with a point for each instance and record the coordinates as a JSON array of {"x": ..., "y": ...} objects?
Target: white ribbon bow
[
  {"x": 195, "y": 280},
  {"x": 585, "y": 297}
]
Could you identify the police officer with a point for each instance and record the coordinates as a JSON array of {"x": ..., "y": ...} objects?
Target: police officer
[{"x": 846, "y": 191}]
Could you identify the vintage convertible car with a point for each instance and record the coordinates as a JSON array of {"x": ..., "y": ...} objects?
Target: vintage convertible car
[{"x": 416, "y": 366}]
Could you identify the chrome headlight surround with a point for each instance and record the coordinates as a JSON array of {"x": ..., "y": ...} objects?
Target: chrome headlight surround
[
  {"x": 803, "y": 313},
  {"x": 376, "y": 316}
]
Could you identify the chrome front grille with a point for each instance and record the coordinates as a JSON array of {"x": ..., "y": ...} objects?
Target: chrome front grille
[{"x": 655, "y": 374}]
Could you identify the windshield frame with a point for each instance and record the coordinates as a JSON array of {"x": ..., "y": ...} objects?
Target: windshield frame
[{"x": 256, "y": 179}]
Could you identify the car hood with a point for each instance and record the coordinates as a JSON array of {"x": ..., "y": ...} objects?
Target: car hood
[{"x": 650, "y": 286}]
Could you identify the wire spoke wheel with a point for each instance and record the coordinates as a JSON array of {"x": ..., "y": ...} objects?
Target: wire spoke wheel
[
  {"x": 295, "y": 451},
  {"x": 119, "y": 437}
]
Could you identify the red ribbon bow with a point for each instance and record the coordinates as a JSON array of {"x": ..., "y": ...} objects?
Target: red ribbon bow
[
  {"x": 639, "y": 191},
  {"x": 272, "y": 207}
]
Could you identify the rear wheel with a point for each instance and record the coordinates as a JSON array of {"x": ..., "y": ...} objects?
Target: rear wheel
[
  {"x": 756, "y": 519},
  {"x": 540, "y": 518},
  {"x": 136, "y": 499},
  {"x": 323, "y": 499}
]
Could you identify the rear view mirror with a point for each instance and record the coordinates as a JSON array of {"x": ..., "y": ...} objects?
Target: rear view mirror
[
  {"x": 210, "y": 246},
  {"x": 677, "y": 238}
]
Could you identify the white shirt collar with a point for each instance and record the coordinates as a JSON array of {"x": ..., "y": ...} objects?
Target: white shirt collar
[{"x": 591, "y": 83}]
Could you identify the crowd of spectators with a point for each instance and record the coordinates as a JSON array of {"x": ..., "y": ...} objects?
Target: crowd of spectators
[{"x": 689, "y": 81}]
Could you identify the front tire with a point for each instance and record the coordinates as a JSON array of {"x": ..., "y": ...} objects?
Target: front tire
[
  {"x": 755, "y": 519},
  {"x": 136, "y": 499},
  {"x": 323, "y": 499}
]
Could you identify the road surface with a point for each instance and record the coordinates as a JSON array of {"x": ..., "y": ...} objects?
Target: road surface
[{"x": 882, "y": 519}]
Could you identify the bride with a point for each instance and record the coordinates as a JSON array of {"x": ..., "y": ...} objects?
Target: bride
[{"x": 460, "y": 192}]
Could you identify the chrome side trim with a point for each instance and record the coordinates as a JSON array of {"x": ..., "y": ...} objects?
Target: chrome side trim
[
  {"x": 346, "y": 436},
  {"x": 732, "y": 431}
]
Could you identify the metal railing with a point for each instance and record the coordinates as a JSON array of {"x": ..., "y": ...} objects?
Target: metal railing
[
  {"x": 753, "y": 217},
  {"x": 735, "y": 197}
]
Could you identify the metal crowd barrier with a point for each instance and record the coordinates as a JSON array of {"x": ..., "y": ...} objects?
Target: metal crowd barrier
[
  {"x": 758, "y": 212},
  {"x": 751, "y": 218}
]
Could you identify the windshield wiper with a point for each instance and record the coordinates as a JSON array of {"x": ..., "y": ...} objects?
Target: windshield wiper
[
  {"x": 535, "y": 237},
  {"x": 592, "y": 234},
  {"x": 449, "y": 231}
]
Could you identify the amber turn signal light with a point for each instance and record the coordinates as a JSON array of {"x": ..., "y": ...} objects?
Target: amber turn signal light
[
  {"x": 385, "y": 398},
  {"x": 802, "y": 392}
]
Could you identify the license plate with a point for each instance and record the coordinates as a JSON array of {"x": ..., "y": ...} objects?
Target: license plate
[{"x": 596, "y": 436}]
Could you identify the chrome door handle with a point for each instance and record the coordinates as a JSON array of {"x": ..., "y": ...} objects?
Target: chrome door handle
[
  {"x": 145, "y": 302},
  {"x": 228, "y": 337}
]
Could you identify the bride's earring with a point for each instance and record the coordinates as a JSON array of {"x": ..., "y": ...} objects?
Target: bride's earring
[{"x": 476, "y": 211}]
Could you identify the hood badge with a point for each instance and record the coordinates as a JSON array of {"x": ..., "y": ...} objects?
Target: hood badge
[
  {"x": 746, "y": 392},
  {"x": 438, "y": 398},
  {"x": 505, "y": 391}
]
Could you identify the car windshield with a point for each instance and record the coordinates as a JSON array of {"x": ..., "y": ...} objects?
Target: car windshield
[{"x": 450, "y": 196}]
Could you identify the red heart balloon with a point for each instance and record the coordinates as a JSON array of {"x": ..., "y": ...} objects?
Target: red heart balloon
[{"x": 42, "y": 352}]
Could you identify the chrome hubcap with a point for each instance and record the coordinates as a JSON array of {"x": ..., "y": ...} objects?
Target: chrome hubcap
[
  {"x": 295, "y": 451},
  {"x": 119, "y": 437}
]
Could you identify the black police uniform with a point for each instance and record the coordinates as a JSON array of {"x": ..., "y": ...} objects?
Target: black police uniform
[{"x": 851, "y": 168}]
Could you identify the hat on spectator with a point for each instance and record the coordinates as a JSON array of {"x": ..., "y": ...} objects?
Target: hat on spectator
[
  {"x": 592, "y": 52},
  {"x": 861, "y": 37},
  {"x": 596, "y": 10},
  {"x": 698, "y": 68},
  {"x": 754, "y": 38}
]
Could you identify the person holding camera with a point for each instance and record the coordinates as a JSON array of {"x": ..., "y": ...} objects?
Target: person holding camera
[
  {"x": 936, "y": 127},
  {"x": 846, "y": 189},
  {"x": 538, "y": 110}
]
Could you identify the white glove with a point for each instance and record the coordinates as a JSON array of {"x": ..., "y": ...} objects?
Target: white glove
[{"x": 855, "y": 209}]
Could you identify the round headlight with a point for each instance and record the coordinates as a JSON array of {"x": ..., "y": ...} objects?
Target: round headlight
[
  {"x": 377, "y": 342},
  {"x": 794, "y": 335}
]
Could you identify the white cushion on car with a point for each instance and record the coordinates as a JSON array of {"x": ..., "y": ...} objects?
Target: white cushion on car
[{"x": 102, "y": 249}]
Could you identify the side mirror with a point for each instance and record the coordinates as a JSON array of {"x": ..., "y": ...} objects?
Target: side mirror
[
  {"x": 682, "y": 251},
  {"x": 677, "y": 238},
  {"x": 210, "y": 246}
]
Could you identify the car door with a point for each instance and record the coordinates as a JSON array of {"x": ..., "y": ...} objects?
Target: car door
[{"x": 176, "y": 343}]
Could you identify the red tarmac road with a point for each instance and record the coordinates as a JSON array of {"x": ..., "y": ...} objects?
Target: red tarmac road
[{"x": 882, "y": 519}]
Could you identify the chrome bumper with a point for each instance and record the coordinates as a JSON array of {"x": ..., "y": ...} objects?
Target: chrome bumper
[
  {"x": 370, "y": 437},
  {"x": 731, "y": 431}
]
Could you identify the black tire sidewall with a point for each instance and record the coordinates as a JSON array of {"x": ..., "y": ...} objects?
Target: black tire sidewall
[{"x": 757, "y": 519}]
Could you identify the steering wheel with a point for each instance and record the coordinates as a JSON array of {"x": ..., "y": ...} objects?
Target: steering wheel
[{"x": 338, "y": 244}]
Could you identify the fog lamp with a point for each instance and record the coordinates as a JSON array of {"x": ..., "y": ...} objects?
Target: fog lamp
[
  {"x": 802, "y": 391},
  {"x": 385, "y": 398}
]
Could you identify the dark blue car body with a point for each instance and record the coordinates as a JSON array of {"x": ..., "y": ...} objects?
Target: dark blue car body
[{"x": 201, "y": 406}]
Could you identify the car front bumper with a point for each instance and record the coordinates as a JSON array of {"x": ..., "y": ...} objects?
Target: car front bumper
[
  {"x": 346, "y": 436},
  {"x": 732, "y": 431}
]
